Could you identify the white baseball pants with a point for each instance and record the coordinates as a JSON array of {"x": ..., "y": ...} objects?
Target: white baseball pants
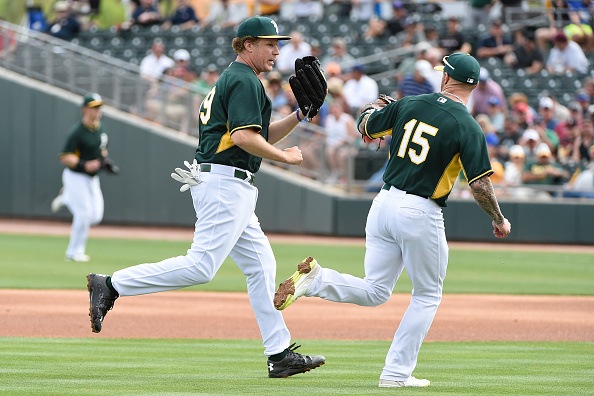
[
  {"x": 83, "y": 197},
  {"x": 402, "y": 231},
  {"x": 226, "y": 225}
]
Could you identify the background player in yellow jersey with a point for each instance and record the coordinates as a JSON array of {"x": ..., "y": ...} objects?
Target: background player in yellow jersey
[
  {"x": 235, "y": 134},
  {"x": 433, "y": 138}
]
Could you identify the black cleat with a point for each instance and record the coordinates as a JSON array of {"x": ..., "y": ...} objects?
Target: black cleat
[
  {"x": 101, "y": 300},
  {"x": 293, "y": 363}
]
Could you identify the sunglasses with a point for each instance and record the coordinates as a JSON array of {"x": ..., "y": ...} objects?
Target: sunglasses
[{"x": 445, "y": 62}]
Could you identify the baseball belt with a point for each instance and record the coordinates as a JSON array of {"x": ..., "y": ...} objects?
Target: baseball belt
[
  {"x": 237, "y": 173},
  {"x": 387, "y": 186}
]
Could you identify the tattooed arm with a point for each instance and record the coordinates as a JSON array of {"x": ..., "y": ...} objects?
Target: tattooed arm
[{"x": 483, "y": 193}]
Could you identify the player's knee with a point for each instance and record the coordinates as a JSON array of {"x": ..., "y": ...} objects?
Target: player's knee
[{"x": 380, "y": 296}]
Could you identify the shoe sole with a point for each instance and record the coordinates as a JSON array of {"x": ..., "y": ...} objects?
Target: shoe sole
[
  {"x": 93, "y": 328},
  {"x": 285, "y": 294},
  {"x": 283, "y": 375}
]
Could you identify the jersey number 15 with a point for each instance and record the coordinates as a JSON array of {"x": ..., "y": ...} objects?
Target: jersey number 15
[{"x": 417, "y": 131}]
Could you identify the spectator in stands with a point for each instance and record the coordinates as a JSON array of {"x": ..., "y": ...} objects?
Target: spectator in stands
[
  {"x": 339, "y": 54},
  {"x": 311, "y": 9},
  {"x": 496, "y": 114},
  {"x": 583, "y": 142},
  {"x": 487, "y": 88},
  {"x": 488, "y": 129},
  {"x": 182, "y": 69},
  {"x": 514, "y": 167},
  {"x": 169, "y": 101},
  {"x": 295, "y": 48},
  {"x": 417, "y": 83},
  {"x": 332, "y": 69},
  {"x": 498, "y": 176},
  {"x": 413, "y": 33},
  {"x": 524, "y": 114},
  {"x": 582, "y": 181},
  {"x": 359, "y": 89},
  {"x": 335, "y": 93},
  {"x": 566, "y": 55},
  {"x": 588, "y": 87},
  {"x": 207, "y": 80},
  {"x": 225, "y": 14},
  {"x": 275, "y": 91},
  {"x": 452, "y": 39},
  {"x": 558, "y": 16},
  {"x": 547, "y": 136},
  {"x": 526, "y": 55},
  {"x": 399, "y": 14},
  {"x": 340, "y": 141},
  {"x": 153, "y": 65},
  {"x": 146, "y": 14},
  {"x": 546, "y": 109},
  {"x": 544, "y": 170},
  {"x": 583, "y": 99},
  {"x": 268, "y": 8},
  {"x": 479, "y": 13},
  {"x": 64, "y": 26},
  {"x": 568, "y": 130},
  {"x": 495, "y": 44},
  {"x": 362, "y": 10},
  {"x": 407, "y": 65},
  {"x": 184, "y": 16},
  {"x": 378, "y": 27},
  {"x": 510, "y": 136},
  {"x": 530, "y": 141}
]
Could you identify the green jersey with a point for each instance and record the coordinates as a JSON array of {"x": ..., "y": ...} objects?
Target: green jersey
[
  {"x": 237, "y": 101},
  {"x": 433, "y": 138},
  {"x": 85, "y": 143}
]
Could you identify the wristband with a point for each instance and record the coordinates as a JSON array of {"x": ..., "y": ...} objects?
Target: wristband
[
  {"x": 297, "y": 115},
  {"x": 80, "y": 167}
]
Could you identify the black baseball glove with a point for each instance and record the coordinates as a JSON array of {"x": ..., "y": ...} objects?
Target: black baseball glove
[
  {"x": 309, "y": 85},
  {"x": 110, "y": 166}
]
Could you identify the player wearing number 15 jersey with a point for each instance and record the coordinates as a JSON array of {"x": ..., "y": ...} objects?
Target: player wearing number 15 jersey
[{"x": 433, "y": 138}]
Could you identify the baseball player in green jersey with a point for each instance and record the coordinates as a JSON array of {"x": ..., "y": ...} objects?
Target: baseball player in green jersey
[
  {"x": 433, "y": 138},
  {"x": 83, "y": 153},
  {"x": 235, "y": 134}
]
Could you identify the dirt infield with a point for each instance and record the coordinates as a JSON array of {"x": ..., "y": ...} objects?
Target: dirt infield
[{"x": 43, "y": 313}]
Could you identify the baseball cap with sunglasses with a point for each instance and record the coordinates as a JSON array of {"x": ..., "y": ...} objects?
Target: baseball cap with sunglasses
[{"x": 461, "y": 67}]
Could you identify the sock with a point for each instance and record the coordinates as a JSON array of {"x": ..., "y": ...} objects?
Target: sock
[
  {"x": 110, "y": 287},
  {"x": 279, "y": 356}
]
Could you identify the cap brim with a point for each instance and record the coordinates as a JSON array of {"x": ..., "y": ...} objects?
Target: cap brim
[
  {"x": 95, "y": 103},
  {"x": 439, "y": 68},
  {"x": 275, "y": 37}
]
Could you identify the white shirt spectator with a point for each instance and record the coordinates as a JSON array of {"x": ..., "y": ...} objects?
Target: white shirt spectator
[
  {"x": 295, "y": 48},
  {"x": 226, "y": 13},
  {"x": 153, "y": 65},
  {"x": 360, "y": 89},
  {"x": 566, "y": 55}
]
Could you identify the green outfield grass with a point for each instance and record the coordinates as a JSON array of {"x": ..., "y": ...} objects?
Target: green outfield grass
[
  {"x": 236, "y": 367},
  {"x": 38, "y": 262}
]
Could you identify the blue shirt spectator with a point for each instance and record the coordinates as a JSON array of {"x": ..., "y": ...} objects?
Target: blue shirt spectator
[{"x": 184, "y": 16}]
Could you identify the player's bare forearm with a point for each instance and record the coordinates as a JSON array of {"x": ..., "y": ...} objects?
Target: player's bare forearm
[
  {"x": 252, "y": 142},
  {"x": 484, "y": 195},
  {"x": 277, "y": 130}
]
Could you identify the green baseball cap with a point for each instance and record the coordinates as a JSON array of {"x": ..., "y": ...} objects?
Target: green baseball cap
[
  {"x": 461, "y": 67},
  {"x": 260, "y": 27},
  {"x": 92, "y": 100}
]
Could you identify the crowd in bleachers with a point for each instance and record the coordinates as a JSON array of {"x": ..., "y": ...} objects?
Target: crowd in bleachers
[{"x": 535, "y": 99}]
